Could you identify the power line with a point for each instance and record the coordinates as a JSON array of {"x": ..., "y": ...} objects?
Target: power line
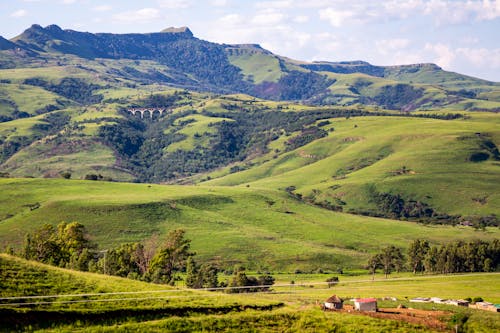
[{"x": 194, "y": 292}]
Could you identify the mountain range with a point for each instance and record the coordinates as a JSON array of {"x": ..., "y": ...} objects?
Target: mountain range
[
  {"x": 405, "y": 142},
  {"x": 182, "y": 60}
]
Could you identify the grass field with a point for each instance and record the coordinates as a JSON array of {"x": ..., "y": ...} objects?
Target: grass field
[
  {"x": 102, "y": 304},
  {"x": 263, "y": 229}
]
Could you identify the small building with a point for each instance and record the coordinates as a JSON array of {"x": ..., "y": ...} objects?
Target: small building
[
  {"x": 420, "y": 300},
  {"x": 333, "y": 303},
  {"x": 457, "y": 302},
  {"x": 485, "y": 306},
  {"x": 365, "y": 304},
  {"x": 437, "y": 300}
]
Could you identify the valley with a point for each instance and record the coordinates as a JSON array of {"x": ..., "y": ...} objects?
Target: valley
[{"x": 291, "y": 170}]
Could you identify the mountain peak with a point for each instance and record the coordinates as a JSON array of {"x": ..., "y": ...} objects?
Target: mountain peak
[{"x": 177, "y": 30}]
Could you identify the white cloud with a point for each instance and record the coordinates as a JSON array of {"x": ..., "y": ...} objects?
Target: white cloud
[
  {"x": 141, "y": 15},
  {"x": 278, "y": 4},
  {"x": 481, "y": 57},
  {"x": 230, "y": 20},
  {"x": 313, "y": 3},
  {"x": 456, "y": 12},
  {"x": 68, "y": 2},
  {"x": 220, "y": 3},
  {"x": 388, "y": 46},
  {"x": 336, "y": 17},
  {"x": 267, "y": 28},
  {"x": 444, "y": 55},
  {"x": 175, "y": 4},
  {"x": 19, "y": 13},
  {"x": 102, "y": 8},
  {"x": 442, "y": 12},
  {"x": 268, "y": 18}
]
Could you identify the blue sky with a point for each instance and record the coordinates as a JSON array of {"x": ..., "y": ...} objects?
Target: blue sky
[{"x": 461, "y": 36}]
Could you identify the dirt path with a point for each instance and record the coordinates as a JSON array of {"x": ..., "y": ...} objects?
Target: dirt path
[{"x": 432, "y": 319}]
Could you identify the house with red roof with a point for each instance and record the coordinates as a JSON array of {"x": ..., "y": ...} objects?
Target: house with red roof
[{"x": 365, "y": 304}]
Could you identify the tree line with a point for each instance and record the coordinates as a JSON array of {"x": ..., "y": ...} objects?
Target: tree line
[
  {"x": 454, "y": 257},
  {"x": 154, "y": 260}
]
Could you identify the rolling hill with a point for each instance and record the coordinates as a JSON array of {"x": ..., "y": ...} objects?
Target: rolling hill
[
  {"x": 277, "y": 158},
  {"x": 262, "y": 229}
]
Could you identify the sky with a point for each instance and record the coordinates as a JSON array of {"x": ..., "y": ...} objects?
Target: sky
[{"x": 458, "y": 35}]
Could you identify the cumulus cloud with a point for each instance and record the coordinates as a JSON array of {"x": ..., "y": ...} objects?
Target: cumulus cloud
[
  {"x": 481, "y": 57},
  {"x": 455, "y": 12},
  {"x": 141, "y": 15},
  {"x": 220, "y": 3},
  {"x": 442, "y": 12},
  {"x": 19, "y": 13},
  {"x": 443, "y": 54},
  {"x": 268, "y": 18},
  {"x": 268, "y": 28},
  {"x": 175, "y": 4},
  {"x": 278, "y": 4},
  {"x": 387, "y": 46},
  {"x": 230, "y": 20},
  {"x": 336, "y": 17}
]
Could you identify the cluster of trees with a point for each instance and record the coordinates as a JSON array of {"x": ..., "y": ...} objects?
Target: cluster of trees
[
  {"x": 241, "y": 283},
  {"x": 155, "y": 260},
  {"x": 306, "y": 136},
  {"x": 71, "y": 88},
  {"x": 295, "y": 85},
  {"x": 454, "y": 257},
  {"x": 68, "y": 246},
  {"x": 64, "y": 246},
  {"x": 395, "y": 206},
  {"x": 395, "y": 97}
]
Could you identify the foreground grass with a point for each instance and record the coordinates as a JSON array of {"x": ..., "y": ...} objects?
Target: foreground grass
[{"x": 284, "y": 310}]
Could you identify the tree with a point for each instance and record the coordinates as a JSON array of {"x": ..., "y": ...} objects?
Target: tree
[
  {"x": 192, "y": 274},
  {"x": 145, "y": 253},
  {"x": 61, "y": 247},
  {"x": 391, "y": 258},
  {"x": 416, "y": 254},
  {"x": 373, "y": 263},
  {"x": 332, "y": 281},
  {"x": 208, "y": 274},
  {"x": 72, "y": 239},
  {"x": 242, "y": 283},
  {"x": 431, "y": 260},
  {"x": 42, "y": 245},
  {"x": 120, "y": 261},
  {"x": 171, "y": 258}
]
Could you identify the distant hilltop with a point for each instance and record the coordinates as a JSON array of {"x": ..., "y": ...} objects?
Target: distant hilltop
[{"x": 178, "y": 30}]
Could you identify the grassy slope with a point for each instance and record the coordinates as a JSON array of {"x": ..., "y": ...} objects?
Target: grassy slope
[
  {"x": 260, "y": 228},
  {"x": 435, "y": 85},
  {"x": 197, "y": 132},
  {"x": 27, "y": 98},
  {"x": 440, "y": 175},
  {"x": 258, "y": 66},
  {"x": 74, "y": 149},
  {"x": 178, "y": 309}
]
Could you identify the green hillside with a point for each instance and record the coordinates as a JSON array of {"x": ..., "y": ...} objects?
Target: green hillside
[
  {"x": 434, "y": 161},
  {"x": 262, "y": 229}
]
